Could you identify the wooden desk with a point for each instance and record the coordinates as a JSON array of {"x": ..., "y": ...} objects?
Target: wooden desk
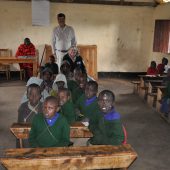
[
  {"x": 12, "y": 60},
  {"x": 69, "y": 158},
  {"x": 77, "y": 130}
]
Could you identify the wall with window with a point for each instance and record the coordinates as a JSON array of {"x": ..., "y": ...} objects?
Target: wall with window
[
  {"x": 161, "y": 12},
  {"x": 123, "y": 34}
]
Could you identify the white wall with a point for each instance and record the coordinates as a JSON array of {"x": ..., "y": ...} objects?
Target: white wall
[
  {"x": 123, "y": 35},
  {"x": 161, "y": 12}
]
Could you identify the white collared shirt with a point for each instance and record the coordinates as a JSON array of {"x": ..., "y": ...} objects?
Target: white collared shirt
[{"x": 63, "y": 38}]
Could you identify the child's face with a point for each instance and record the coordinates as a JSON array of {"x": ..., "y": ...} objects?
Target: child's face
[
  {"x": 105, "y": 103},
  {"x": 60, "y": 84},
  {"x": 52, "y": 59},
  {"x": 82, "y": 82},
  {"x": 63, "y": 97},
  {"x": 77, "y": 75},
  {"x": 46, "y": 76},
  {"x": 49, "y": 109},
  {"x": 33, "y": 95},
  {"x": 90, "y": 91}
]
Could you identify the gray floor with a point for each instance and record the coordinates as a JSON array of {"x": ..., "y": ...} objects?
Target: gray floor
[{"x": 147, "y": 132}]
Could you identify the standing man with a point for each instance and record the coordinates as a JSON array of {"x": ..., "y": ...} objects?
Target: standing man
[{"x": 63, "y": 38}]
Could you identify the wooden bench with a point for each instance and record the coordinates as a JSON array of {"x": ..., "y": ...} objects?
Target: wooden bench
[
  {"x": 77, "y": 130},
  {"x": 144, "y": 80},
  {"x": 69, "y": 158},
  {"x": 136, "y": 85},
  {"x": 153, "y": 85},
  {"x": 160, "y": 92}
]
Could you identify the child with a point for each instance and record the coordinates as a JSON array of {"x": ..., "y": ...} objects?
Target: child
[
  {"x": 110, "y": 130},
  {"x": 39, "y": 82},
  {"x": 67, "y": 107},
  {"x": 49, "y": 129},
  {"x": 152, "y": 70},
  {"x": 60, "y": 82},
  {"x": 77, "y": 92},
  {"x": 52, "y": 65},
  {"x": 161, "y": 66},
  {"x": 30, "y": 108},
  {"x": 88, "y": 106}
]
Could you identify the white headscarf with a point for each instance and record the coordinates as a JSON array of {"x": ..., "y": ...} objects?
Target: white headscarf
[
  {"x": 59, "y": 77},
  {"x": 34, "y": 80}
]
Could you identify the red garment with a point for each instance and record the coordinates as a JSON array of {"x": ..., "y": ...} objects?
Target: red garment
[
  {"x": 160, "y": 68},
  {"x": 26, "y": 50},
  {"x": 152, "y": 71}
]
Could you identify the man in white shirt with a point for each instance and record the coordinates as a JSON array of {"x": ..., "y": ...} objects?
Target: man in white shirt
[{"x": 63, "y": 38}]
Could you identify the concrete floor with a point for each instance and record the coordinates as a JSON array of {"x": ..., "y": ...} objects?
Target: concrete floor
[{"x": 147, "y": 132}]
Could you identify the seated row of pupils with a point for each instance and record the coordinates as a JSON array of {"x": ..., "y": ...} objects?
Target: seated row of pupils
[
  {"x": 159, "y": 69},
  {"x": 52, "y": 103}
]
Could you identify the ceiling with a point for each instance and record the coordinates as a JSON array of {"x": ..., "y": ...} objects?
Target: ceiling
[{"x": 151, "y": 3}]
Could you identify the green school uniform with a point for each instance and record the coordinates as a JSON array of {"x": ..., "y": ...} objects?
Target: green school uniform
[
  {"x": 58, "y": 134},
  {"x": 76, "y": 94},
  {"x": 68, "y": 111},
  {"x": 72, "y": 85},
  {"x": 109, "y": 132},
  {"x": 90, "y": 111}
]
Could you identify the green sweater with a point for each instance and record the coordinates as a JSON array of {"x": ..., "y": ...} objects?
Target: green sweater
[
  {"x": 76, "y": 94},
  {"x": 90, "y": 111},
  {"x": 69, "y": 112},
  {"x": 58, "y": 136},
  {"x": 109, "y": 132}
]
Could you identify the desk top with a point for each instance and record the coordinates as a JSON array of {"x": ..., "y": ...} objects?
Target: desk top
[
  {"x": 82, "y": 157},
  {"x": 17, "y": 60}
]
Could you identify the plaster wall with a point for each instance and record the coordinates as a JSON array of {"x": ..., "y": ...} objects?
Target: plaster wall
[
  {"x": 123, "y": 35},
  {"x": 160, "y": 12}
]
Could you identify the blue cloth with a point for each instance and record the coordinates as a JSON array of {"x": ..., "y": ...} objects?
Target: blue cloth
[
  {"x": 51, "y": 121},
  {"x": 165, "y": 107},
  {"x": 113, "y": 115},
  {"x": 89, "y": 101}
]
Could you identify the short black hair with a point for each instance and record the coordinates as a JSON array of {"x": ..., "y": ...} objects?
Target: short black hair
[
  {"x": 61, "y": 15},
  {"x": 94, "y": 84},
  {"x": 36, "y": 86},
  {"x": 52, "y": 99},
  {"x": 108, "y": 93},
  {"x": 165, "y": 60},
  {"x": 67, "y": 91}
]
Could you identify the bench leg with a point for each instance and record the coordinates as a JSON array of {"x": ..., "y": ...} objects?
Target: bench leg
[{"x": 20, "y": 143}]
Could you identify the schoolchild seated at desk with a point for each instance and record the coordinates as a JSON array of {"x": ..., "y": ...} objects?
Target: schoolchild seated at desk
[
  {"x": 161, "y": 66},
  {"x": 88, "y": 106},
  {"x": 67, "y": 107},
  {"x": 52, "y": 65},
  {"x": 39, "y": 82},
  {"x": 77, "y": 92},
  {"x": 152, "y": 70},
  {"x": 50, "y": 129},
  {"x": 60, "y": 82},
  {"x": 30, "y": 108},
  {"x": 110, "y": 129}
]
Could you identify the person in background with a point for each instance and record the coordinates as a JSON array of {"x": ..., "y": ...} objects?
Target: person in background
[
  {"x": 161, "y": 66},
  {"x": 152, "y": 70},
  {"x": 60, "y": 82},
  {"x": 65, "y": 69},
  {"x": 47, "y": 76},
  {"x": 74, "y": 59},
  {"x": 63, "y": 38},
  {"x": 110, "y": 129},
  {"x": 49, "y": 129},
  {"x": 80, "y": 89},
  {"x": 67, "y": 107},
  {"x": 26, "y": 50},
  {"x": 52, "y": 65}
]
